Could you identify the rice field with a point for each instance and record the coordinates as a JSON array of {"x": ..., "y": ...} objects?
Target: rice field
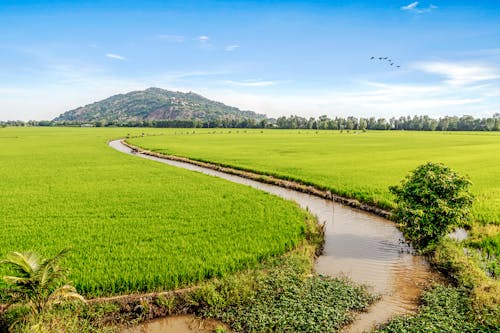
[
  {"x": 133, "y": 225},
  {"x": 354, "y": 164}
]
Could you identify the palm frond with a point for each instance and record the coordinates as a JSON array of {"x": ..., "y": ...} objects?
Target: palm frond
[
  {"x": 50, "y": 272},
  {"x": 36, "y": 280},
  {"x": 16, "y": 280},
  {"x": 55, "y": 259},
  {"x": 25, "y": 263}
]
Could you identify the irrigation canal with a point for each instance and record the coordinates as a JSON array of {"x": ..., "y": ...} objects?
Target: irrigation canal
[{"x": 364, "y": 247}]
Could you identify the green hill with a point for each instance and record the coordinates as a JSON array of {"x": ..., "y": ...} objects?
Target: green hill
[{"x": 156, "y": 104}]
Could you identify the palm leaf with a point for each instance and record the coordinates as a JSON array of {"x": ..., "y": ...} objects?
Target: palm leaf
[
  {"x": 36, "y": 284},
  {"x": 25, "y": 263}
]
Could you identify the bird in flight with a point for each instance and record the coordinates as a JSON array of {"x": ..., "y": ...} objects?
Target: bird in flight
[{"x": 389, "y": 60}]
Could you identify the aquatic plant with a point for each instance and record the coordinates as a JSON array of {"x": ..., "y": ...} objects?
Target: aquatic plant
[{"x": 444, "y": 309}]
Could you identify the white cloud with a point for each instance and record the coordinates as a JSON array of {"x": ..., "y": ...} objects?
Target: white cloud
[
  {"x": 204, "y": 41},
  {"x": 367, "y": 99},
  {"x": 413, "y": 8},
  {"x": 460, "y": 74},
  {"x": 170, "y": 38},
  {"x": 410, "y": 6},
  {"x": 230, "y": 48},
  {"x": 251, "y": 83},
  {"x": 115, "y": 56}
]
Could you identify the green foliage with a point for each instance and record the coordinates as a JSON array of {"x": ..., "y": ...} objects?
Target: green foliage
[
  {"x": 430, "y": 200},
  {"x": 220, "y": 329},
  {"x": 461, "y": 265},
  {"x": 444, "y": 309},
  {"x": 489, "y": 253},
  {"x": 37, "y": 284},
  {"x": 283, "y": 298},
  {"x": 133, "y": 225},
  {"x": 66, "y": 319}
]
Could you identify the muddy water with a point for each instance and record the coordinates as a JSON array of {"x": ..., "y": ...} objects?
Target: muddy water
[
  {"x": 364, "y": 247},
  {"x": 176, "y": 324}
]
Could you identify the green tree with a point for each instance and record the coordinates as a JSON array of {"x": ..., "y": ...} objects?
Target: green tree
[
  {"x": 430, "y": 200},
  {"x": 37, "y": 283}
]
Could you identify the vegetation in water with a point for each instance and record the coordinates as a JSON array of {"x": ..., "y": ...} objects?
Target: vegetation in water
[
  {"x": 443, "y": 309},
  {"x": 284, "y": 297},
  {"x": 430, "y": 200},
  {"x": 485, "y": 241},
  {"x": 133, "y": 225}
]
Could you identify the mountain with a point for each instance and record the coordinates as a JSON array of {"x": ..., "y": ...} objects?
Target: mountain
[{"x": 156, "y": 104}]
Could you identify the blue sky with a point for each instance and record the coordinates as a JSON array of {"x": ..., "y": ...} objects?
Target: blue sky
[{"x": 275, "y": 57}]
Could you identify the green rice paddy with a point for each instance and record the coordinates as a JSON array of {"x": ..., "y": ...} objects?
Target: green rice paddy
[
  {"x": 133, "y": 225},
  {"x": 354, "y": 164}
]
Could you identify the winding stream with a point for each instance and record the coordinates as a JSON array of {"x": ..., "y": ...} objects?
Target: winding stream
[{"x": 364, "y": 247}]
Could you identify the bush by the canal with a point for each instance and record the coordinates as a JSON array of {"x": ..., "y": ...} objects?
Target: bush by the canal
[{"x": 430, "y": 200}]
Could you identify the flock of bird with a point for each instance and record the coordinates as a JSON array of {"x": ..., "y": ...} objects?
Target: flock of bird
[{"x": 391, "y": 62}]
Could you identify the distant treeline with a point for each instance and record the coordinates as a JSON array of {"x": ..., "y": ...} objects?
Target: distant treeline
[{"x": 415, "y": 123}]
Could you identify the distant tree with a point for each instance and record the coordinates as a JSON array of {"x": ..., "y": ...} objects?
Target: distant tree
[
  {"x": 362, "y": 124},
  {"x": 430, "y": 200}
]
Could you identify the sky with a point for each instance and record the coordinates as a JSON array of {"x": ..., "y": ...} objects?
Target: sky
[{"x": 308, "y": 58}]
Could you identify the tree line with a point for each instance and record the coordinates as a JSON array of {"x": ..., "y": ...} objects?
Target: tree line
[{"x": 415, "y": 123}]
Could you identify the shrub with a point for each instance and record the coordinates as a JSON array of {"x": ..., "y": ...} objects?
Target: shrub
[{"x": 430, "y": 200}]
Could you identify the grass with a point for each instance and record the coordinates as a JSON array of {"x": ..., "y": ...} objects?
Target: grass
[
  {"x": 133, "y": 225},
  {"x": 360, "y": 165}
]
